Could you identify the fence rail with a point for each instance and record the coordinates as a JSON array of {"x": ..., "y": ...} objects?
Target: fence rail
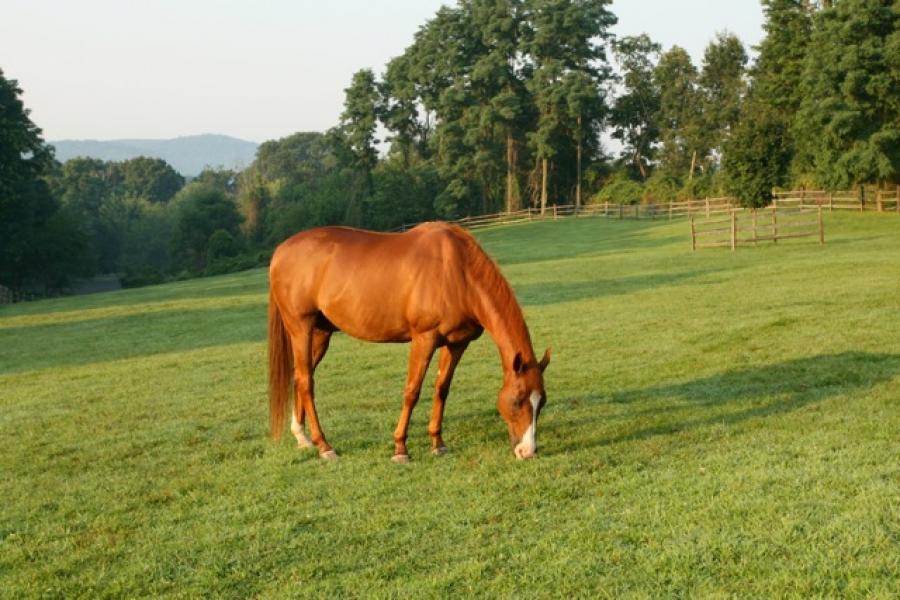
[
  {"x": 757, "y": 225},
  {"x": 885, "y": 201},
  {"x": 610, "y": 210},
  {"x": 873, "y": 200}
]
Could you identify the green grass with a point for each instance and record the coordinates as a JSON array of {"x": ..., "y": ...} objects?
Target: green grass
[{"x": 719, "y": 425}]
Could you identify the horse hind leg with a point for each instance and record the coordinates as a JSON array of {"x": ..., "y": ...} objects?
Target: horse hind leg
[
  {"x": 320, "y": 340},
  {"x": 302, "y": 334},
  {"x": 298, "y": 419}
]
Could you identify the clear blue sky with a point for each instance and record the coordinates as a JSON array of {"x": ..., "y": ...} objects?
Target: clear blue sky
[{"x": 107, "y": 69}]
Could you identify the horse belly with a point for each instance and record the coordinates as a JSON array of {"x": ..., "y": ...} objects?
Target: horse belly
[
  {"x": 370, "y": 315},
  {"x": 392, "y": 312},
  {"x": 367, "y": 327}
]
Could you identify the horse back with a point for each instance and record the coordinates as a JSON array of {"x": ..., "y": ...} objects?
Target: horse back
[{"x": 377, "y": 286}]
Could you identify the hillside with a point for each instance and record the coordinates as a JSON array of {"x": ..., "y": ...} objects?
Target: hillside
[
  {"x": 188, "y": 154},
  {"x": 719, "y": 424}
]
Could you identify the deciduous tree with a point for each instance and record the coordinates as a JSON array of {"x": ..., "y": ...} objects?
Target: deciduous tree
[
  {"x": 635, "y": 114},
  {"x": 40, "y": 245}
]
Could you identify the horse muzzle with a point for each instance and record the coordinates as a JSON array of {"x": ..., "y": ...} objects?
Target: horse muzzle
[{"x": 524, "y": 450}]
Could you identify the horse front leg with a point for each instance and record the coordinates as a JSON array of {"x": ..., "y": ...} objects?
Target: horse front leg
[
  {"x": 449, "y": 358},
  {"x": 421, "y": 349}
]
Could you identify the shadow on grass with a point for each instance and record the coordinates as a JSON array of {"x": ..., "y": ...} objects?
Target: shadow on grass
[
  {"x": 737, "y": 395},
  {"x": 55, "y": 345},
  {"x": 591, "y": 236},
  {"x": 552, "y": 292},
  {"x": 233, "y": 284}
]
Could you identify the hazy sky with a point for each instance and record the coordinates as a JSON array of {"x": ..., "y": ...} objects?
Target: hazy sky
[{"x": 107, "y": 69}]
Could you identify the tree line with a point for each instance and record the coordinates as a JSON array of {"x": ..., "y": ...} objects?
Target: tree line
[{"x": 496, "y": 105}]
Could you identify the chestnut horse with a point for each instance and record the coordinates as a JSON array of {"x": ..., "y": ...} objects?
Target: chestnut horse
[{"x": 432, "y": 286}]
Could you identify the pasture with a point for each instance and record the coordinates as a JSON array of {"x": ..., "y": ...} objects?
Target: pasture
[{"x": 718, "y": 424}]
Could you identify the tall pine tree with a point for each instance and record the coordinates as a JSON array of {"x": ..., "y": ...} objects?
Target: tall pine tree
[
  {"x": 758, "y": 153},
  {"x": 566, "y": 46},
  {"x": 849, "y": 120},
  {"x": 358, "y": 124}
]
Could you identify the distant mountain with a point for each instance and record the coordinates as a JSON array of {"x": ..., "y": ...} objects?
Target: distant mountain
[{"x": 188, "y": 155}]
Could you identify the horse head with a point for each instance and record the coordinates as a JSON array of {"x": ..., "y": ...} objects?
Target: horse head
[{"x": 520, "y": 402}]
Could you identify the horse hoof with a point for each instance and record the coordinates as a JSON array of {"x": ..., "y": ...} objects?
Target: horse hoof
[
  {"x": 440, "y": 450},
  {"x": 400, "y": 459},
  {"x": 329, "y": 455}
]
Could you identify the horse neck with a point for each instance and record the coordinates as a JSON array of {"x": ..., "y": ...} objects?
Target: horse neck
[{"x": 501, "y": 316}]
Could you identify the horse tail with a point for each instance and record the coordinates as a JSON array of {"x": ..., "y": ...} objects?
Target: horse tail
[{"x": 280, "y": 369}]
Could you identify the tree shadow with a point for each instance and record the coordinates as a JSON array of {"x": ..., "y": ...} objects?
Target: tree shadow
[
  {"x": 244, "y": 283},
  {"x": 542, "y": 241},
  {"x": 553, "y": 292},
  {"x": 87, "y": 341},
  {"x": 732, "y": 397}
]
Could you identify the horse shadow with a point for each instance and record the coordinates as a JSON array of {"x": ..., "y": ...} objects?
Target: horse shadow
[{"x": 729, "y": 398}]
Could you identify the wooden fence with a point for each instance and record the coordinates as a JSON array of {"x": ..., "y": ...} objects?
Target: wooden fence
[
  {"x": 873, "y": 200},
  {"x": 663, "y": 211},
  {"x": 749, "y": 227}
]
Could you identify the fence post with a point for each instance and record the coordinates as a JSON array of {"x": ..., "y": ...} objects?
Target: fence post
[
  {"x": 878, "y": 201},
  {"x": 637, "y": 212},
  {"x": 554, "y": 212},
  {"x": 620, "y": 211},
  {"x": 733, "y": 230},
  {"x": 670, "y": 206},
  {"x": 774, "y": 224},
  {"x": 707, "y": 207},
  {"x": 754, "y": 226},
  {"x": 830, "y": 201},
  {"x": 821, "y": 228},
  {"x": 606, "y": 208},
  {"x": 802, "y": 195},
  {"x": 693, "y": 234}
]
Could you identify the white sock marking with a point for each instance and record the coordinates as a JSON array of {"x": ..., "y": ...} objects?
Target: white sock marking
[{"x": 297, "y": 430}]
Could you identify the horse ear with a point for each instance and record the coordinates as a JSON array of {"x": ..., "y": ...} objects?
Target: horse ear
[
  {"x": 518, "y": 365},
  {"x": 545, "y": 361}
]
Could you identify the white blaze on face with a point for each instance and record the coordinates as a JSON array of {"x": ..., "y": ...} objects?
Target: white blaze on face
[{"x": 527, "y": 447}]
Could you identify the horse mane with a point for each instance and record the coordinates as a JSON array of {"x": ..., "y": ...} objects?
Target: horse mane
[{"x": 485, "y": 273}]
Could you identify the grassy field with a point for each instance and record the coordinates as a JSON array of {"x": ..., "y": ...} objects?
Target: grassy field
[{"x": 719, "y": 425}]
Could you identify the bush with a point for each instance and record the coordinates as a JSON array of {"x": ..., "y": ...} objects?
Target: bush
[
  {"x": 234, "y": 264},
  {"x": 620, "y": 190},
  {"x": 142, "y": 278},
  {"x": 201, "y": 211},
  {"x": 662, "y": 187},
  {"x": 221, "y": 245}
]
